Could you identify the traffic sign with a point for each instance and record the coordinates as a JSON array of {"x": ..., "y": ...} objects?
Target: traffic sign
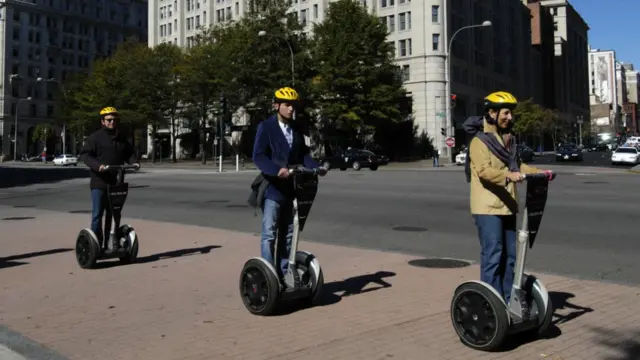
[{"x": 450, "y": 142}]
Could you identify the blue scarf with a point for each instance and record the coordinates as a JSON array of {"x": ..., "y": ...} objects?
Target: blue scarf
[{"x": 474, "y": 126}]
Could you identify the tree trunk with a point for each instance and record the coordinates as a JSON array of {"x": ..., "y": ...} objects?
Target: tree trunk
[{"x": 173, "y": 139}]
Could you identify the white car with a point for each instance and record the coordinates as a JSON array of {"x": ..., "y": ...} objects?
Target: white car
[
  {"x": 461, "y": 158},
  {"x": 65, "y": 159},
  {"x": 626, "y": 155}
]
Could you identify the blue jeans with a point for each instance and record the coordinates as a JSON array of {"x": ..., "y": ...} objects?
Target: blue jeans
[
  {"x": 277, "y": 220},
  {"x": 498, "y": 241},
  {"x": 100, "y": 206}
]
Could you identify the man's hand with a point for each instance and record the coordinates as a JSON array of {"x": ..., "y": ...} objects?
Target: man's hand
[
  {"x": 514, "y": 177},
  {"x": 283, "y": 173},
  {"x": 102, "y": 168}
]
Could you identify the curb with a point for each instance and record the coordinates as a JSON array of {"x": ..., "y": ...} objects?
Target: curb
[{"x": 20, "y": 347}]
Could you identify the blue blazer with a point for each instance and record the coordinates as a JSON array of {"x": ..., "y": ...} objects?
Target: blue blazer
[{"x": 271, "y": 152}]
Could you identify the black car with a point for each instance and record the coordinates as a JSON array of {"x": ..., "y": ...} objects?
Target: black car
[
  {"x": 599, "y": 147},
  {"x": 569, "y": 153},
  {"x": 356, "y": 159},
  {"x": 526, "y": 153}
]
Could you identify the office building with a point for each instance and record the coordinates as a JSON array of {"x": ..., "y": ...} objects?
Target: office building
[
  {"x": 484, "y": 59},
  {"x": 604, "y": 89},
  {"x": 50, "y": 40},
  {"x": 571, "y": 64}
]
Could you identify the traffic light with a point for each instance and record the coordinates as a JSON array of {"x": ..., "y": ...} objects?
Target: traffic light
[
  {"x": 223, "y": 105},
  {"x": 454, "y": 97},
  {"x": 443, "y": 131}
]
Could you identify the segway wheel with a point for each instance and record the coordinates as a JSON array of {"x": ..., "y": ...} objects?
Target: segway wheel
[
  {"x": 259, "y": 287},
  {"x": 129, "y": 243},
  {"x": 87, "y": 249},
  {"x": 479, "y": 317},
  {"x": 310, "y": 276},
  {"x": 545, "y": 312}
]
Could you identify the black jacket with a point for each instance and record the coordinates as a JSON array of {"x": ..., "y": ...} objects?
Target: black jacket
[{"x": 106, "y": 147}]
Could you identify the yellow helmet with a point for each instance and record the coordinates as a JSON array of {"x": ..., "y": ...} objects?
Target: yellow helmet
[
  {"x": 500, "y": 100},
  {"x": 108, "y": 110},
  {"x": 285, "y": 94}
]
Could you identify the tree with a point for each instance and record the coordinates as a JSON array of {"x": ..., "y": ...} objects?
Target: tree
[
  {"x": 43, "y": 132},
  {"x": 203, "y": 76},
  {"x": 155, "y": 86},
  {"x": 112, "y": 83},
  {"x": 262, "y": 63},
  {"x": 529, "y": 118},
  {"x": 358, "y": 85}
]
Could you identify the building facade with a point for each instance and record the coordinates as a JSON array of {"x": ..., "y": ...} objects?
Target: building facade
[
  {"x": 571, "y": 64},
  {"x": 483, "y": 59},
  {"x": 41, "y": 44},
  {"x": 604, "y": 89}
]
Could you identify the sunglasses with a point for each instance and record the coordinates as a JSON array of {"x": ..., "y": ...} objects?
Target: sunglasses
[{"x": 110, "y": 119}]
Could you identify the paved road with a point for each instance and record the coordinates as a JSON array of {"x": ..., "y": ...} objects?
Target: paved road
[
  {"x": 599, "y": 159},
  {"x": 589, "y": 229}
]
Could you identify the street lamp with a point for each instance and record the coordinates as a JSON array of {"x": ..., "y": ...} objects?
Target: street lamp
[
  {"x": 447, "y": 71},
  {"x": 293, "y": 71},
  {"x": 15, "y": 134},
  {"x": 64, "y": 94}
]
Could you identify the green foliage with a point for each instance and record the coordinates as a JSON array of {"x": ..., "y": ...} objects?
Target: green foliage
[
  {"x": 529, "y": 117},
  {"x": 43, "y": 132},
  {"x": 357, "y": 83}
]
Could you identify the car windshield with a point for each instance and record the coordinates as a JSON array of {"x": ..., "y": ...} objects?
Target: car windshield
[
  {"x": 366, "y": 152},
  {"x": 627, "y": 150},
  {"x": 568, "y": 148}
]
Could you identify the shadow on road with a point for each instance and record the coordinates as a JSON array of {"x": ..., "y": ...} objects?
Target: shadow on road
[
  {"x": 626, "y": 345},
  {"x": 161, "y": 256},
  {"x": 10, "y": 261},
  {"x": 333, "y": 292},
  {"x": 12, "y": 176}
]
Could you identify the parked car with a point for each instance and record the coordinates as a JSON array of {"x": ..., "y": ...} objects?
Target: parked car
[
  {"x": 356, "y": 159},
  {"x": 462, "y": 157},
  {"x": 65, "y": 159},
  {"x": 626, "y": 155},
  {"x": 526, "y": 153},
  {"x": 569, "y": 152},
  {"x": 598, "y": 147}
]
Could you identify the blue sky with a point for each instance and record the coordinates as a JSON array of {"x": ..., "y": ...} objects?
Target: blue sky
[{"x": 607, "y": 20}]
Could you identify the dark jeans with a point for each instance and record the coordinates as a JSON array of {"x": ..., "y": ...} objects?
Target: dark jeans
[
  {"x": 277, "y": 220},
  {"x": 100, "y": 206},
  {"x": 498, "y": 241}
]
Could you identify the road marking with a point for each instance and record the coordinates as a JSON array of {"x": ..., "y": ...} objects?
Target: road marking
[{"x": 585, "y": 174}]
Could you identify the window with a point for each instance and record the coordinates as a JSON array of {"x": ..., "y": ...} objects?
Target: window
[
  {"x": 436, "y": 42},
  {"x": 405, "y": 21},
  {"x": 435, "y": 12},
  {"x": 405, "y": 47},
  {"x": 315, "y": 11},
  {"x": 383, "y": 3},
  {"x": 391, "y": 25},
  {"x": 406, "y": 73}
]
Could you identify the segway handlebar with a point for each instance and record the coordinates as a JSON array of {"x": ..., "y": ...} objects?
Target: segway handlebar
[
  {"x": 304, "y": 171},
  {"x": 547, "y": 175},
  {"x": 121, "y": 167}
]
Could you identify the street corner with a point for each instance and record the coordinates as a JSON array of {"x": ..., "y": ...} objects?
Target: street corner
[
  {"x": 15, "y": 346},
  {"x": 635, "y": 169}
]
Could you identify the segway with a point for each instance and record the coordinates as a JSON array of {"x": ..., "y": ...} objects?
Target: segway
[
  {"x": 480, "y": 315},
  {"x": 89, "y": 249},
  {"x": 261, "y": 288}
]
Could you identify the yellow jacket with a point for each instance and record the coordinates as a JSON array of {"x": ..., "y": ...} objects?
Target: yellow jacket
[{"x": 490, "y": 193}]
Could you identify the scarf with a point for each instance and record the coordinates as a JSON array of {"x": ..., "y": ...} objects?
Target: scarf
[{"x": 474, "y": 127}]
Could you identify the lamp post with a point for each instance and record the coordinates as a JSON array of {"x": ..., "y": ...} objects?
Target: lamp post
[
  {"x": 64, "y": 94},
  {"x": 15, "y": 134},
  {"x": 293, "y": 69},
  {"x": 447, "y": 70},
  {"x": 579, "y": 120}
]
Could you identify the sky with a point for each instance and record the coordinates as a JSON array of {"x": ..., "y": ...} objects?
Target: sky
[{"x": 607, "y": 20}]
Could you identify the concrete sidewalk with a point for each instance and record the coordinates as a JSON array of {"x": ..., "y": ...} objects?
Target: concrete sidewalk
[{"x": 181, "y": 301}]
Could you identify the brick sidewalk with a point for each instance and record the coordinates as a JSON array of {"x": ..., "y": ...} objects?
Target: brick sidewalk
[{"x": 188, "y": 307}]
